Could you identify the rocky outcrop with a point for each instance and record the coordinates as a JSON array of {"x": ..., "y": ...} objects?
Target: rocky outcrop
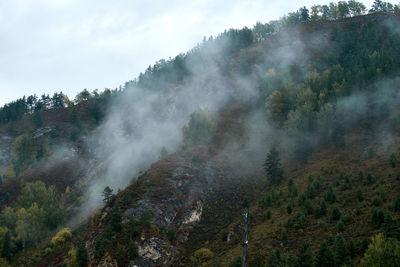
[{"x": 176, "y": 190}]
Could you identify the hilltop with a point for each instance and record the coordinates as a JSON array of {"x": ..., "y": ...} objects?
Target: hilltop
[{"x": 157, "y": 173}]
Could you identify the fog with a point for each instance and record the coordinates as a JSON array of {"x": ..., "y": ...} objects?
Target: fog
[{"x": 141, "y": 121}]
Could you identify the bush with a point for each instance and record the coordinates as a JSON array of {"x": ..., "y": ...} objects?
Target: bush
[
  {"x": 305, "y": 258},
  {"x": 201, "y": 256},
  {"x": 284, "y": 234},
  {"x": 133, "y": 250},
  {"x": 171, "y": 235},
  {"x": 382, "y": 252},
  {"x": 393, "y": 160},
  {"x": 360, "y": 196},
  {"x": 377, "y": 218},
  {"x": 61, "y": 237},
  {"x": 330, "y": 195},
  {"x": 201, "y": 130},
  {"x": 397, "y": 204},
  {"x": 340, "y": 226},
  {"x": 236, "y": 262},
  {"x": 224, "y": 235},
  {"x": 335, "y": 213},
  {"x": 324, "y": 257},
  {"x": 82, "y": 256}
]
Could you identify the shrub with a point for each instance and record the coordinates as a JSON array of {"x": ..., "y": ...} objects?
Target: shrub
[
  {"x": 324, "y": 257},
  {"x": 82, "y": 256},
  {"x": 335, "y": 213},
  {"x": 382, "y": 252},
  {"x": 377, "y": 218},
  {"x": 289, "y": 207},
  {"x": 330, "y": 195},
  {"x": 397, "y": 204},
  {"x": 360, "y": 196},
  {"x": 201, "y": 130},
  {"x": 305, "y": 258},
  {"x": 236, "y": 262},
  {"x": 171, "y": 235},
  {"x": 393, "y": 160},
  {"x": 284, "y": 234},
  {"x": 201, "y": 256},
  {"x": 61, "y": 237},
  {"x": 340, "y": 226},
  {"x": 133, "y": 250}
]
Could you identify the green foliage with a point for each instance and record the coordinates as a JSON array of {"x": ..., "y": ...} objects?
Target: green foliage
[
  {"x": 23, "y": 152},
  {"x": 289, "y": 207},
  {"x": 61, "y": 237},
  {"x": 201, "y": 130},
  {"x": 340, "y": 226},
  {"x": 377, "y": 218},
  {"x": 133, "y": 250},
  {"x": 351, "y": 248},
  {"x": 393, "y": 160},
  {"x": 330, "y": 195},
  {"x": 201, "y": 256},
  {"x": 324, "y": 257},
  {"x": 300, "y": 220},
  {"x": 224, "y": 235},
  {"x": 341, "y": 253},
  {"x": 335, "y": 213},
  {"x": 236, "y": 262},
  {"x": 273, "y": 168},
  {"x": 121, "y": 256},
  {"x": 397, "y": 204},
  {"x": 6, "y": 251},
  {"x": 305, "y": 257},
  {"x": 82, "y": 257},
  {"x": 37, "y": 119},
  {"x": 360, "y": 196},
  {"x": 382, "y": 252},
  {"x": 284, "y": 234},
  {"x": 171, "y": 235},
  {"x": 107, "y": 194},
  {"x": 145, "y": 220},
  {"x": 116, "y": 220},
  {"x": 276, "y": 258}
]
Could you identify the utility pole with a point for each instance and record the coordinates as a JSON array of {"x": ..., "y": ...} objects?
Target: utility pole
[{"x": 245, "y": 232}]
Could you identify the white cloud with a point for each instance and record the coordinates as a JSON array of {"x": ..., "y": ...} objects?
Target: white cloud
[{"x": 53, "y": 45}]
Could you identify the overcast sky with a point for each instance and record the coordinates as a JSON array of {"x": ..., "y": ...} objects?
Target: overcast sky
[{"x": 68, "y": 45}]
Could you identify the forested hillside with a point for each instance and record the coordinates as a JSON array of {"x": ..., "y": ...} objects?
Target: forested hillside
[{"x": 295, "y": 122}]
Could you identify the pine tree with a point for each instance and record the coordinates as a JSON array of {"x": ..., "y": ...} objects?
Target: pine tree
[
  {"x": 115, "y": 220},
  {"x": 82, "y": 256},
  {"x": 107, "y": 194},
  {"x": 273, "y": 168},
  {"x": 133, "y": 250},
  {"x": 305, "y": 258},
  {"x": 6, "y": 251},
  {"x": 341, "y": 252},
  {"x": 324, "y": 257}
]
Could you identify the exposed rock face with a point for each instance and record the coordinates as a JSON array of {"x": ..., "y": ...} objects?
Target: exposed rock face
[{"x": 176, "y": 188}]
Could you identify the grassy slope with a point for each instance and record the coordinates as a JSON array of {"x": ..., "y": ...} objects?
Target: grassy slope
[{"x": 325, "y": 166}]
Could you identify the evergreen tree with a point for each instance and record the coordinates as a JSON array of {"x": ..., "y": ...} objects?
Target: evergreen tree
[
  {"x": 82, "y": 256},
  {"x": 133, "y": 250},
  {"x": 273, "y": 168},
  {"x": 304, "y": 14},
  {"x": 6, "y": 251},
  {"x": 324, "y": 257},
  {"x": 116, "y": 219},
  {"x": 341, "y": 253},
  {"x": 305, "y": 258},
  {"x": 107, "y": 194}
]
